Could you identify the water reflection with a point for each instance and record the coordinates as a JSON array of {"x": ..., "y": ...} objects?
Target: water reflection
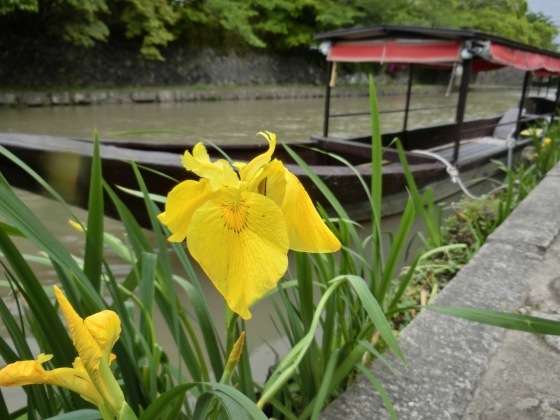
[{"x": 238, "y": 121}]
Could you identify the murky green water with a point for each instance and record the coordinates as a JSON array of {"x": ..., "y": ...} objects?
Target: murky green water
[{"x": 238, "y": 121}]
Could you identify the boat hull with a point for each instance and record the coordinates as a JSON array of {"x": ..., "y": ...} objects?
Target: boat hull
[{"x": 66, "y": 164}]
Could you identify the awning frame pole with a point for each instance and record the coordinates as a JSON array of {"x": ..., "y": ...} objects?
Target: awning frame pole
[
  {"x": 327, "y": 99},
  {"x": 407, "y": 105},
  {"x": 526, "y": 81},
  {"x": 461, "y": 106},
  {"x": 557, "y": 102}
]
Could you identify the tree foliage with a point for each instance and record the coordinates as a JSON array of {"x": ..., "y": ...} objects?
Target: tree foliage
[{"x": 275, "y": 24}]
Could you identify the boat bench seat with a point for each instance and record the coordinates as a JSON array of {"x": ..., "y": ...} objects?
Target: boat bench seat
[
  {"x": 507, "y": 124},
  {"x": 470, "y": 148}
]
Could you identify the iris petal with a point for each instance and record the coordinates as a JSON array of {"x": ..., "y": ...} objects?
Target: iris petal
[
  {"x": 199, "y": 162},
  {"x": 25, "y": 372},
  {"x": 272, "y": 182},
  {"x": 306, "y": 229},
  {"x": 29, "y": 372},
  {"x": 105, "y": 328},
  {"x": 248, "y": 172},
  {"x": 87, "y": 337},
  {"x": 181, "y": 203},
  {"x": 240, "y": 240},
  {"x": 88, "y": 349}
]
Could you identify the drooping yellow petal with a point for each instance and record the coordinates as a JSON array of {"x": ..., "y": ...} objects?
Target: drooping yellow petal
[
  {"x": 76, "y": 380},
  {"x": 25, "y": 372},
  {"x": 30, "y": 372},
  {"x": 181, "y": 203},
  {"x": 272, "y": 182},
  {"x": 248, "y": 172},
  {"x": 306, "y": 229},
  {"x": 240, "y": 241}
]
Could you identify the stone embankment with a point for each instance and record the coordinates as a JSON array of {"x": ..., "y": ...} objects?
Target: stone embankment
[
  {"x": 457, "y": 369},
  {"x": 153, "y": 95},
  {"x": 163, "y": 95}
]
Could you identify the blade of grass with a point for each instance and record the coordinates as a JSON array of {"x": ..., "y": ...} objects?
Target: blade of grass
[
  {"x": 322, "y": 393},
  {"x": 429, "y": 223},
  {"x": 93, "y": 255},
  {"x": 519, "y": 322},
  {"x": 396, "y": 250}
]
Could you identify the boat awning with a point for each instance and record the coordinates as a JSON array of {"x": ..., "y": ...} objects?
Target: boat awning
[
  {"x": 397, "y": 51},
  {"x": 436, "y": 47},
  {"x": 523, "y": 60}
]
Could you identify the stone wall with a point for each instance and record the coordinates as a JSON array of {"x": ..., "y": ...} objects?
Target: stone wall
[{"x": 31, "y": 64}]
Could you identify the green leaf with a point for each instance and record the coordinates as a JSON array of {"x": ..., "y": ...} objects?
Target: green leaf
[
  {"x": 85, "y": 414},
  {"x": 232, "y": 400},
  {"x": 396, "y": 250},
  {"x": 323, "y": 392},
  {"x": 236, "y": 405},
  {"x": 510, "y": 321},
  {"x": 93, "y": 257},
  {"x": 380, "y": 390},
  {"x": 376, "y": 314}
]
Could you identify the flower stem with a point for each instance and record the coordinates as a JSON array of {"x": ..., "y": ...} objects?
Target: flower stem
[{"x": 231, "y": 323}]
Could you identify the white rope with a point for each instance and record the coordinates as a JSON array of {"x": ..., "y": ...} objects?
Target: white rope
[{"x": 453, "y": 173}]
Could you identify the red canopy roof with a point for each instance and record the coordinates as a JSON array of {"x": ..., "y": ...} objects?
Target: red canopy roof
[
  {"x": 397, "y": 51},
  {"x": 401, "y": 44},
  {"x": 522, "y": 60}
]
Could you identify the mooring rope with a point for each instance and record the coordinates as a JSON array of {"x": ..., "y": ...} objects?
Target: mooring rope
[{"x": 454, "y": 174}]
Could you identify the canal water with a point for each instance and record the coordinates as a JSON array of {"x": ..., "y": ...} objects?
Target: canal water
[
  {"x": 220, "y": 121},
  {"x": 238, "y": 121}
]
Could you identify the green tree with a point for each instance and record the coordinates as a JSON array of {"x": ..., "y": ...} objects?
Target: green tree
[
  {"x": 86, "y": 22},
  {"x": 294, "y": 23},
  {"x": 274, "y": 24},
  {"x": 8, "y": 6},
  {"x": 150, "y": 20},
  {"x": 508, "y": 18}
]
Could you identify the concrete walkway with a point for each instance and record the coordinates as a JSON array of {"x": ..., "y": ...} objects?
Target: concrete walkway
[{"x": 463, "y": 370}]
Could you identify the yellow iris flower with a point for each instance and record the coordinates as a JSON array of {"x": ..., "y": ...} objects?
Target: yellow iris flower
[
  {"x": 240, "y": 221},
  {"x": 90, "y": 376}
]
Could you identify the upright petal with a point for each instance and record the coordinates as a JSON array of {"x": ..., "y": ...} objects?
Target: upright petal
[
  {"x": 89, "y": 351},
  {"x": 181, "y": 203},
  {"x": 240, "y": 241},
  {"x": 199, "y": 162},
  {"x": 306, "y": 229},
  {"x": 248, "y": 172},
  {"x": 105, "y": 328},
  {"x": 95, "y": 359}
]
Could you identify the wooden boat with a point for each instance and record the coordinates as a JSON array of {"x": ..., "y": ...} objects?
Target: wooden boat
[{"x": 432, "y": 152}]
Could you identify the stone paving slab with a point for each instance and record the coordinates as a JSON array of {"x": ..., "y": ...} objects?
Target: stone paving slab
[
  {"x": 449, "y": 360},
  {"x": 522, "y": 380}
]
